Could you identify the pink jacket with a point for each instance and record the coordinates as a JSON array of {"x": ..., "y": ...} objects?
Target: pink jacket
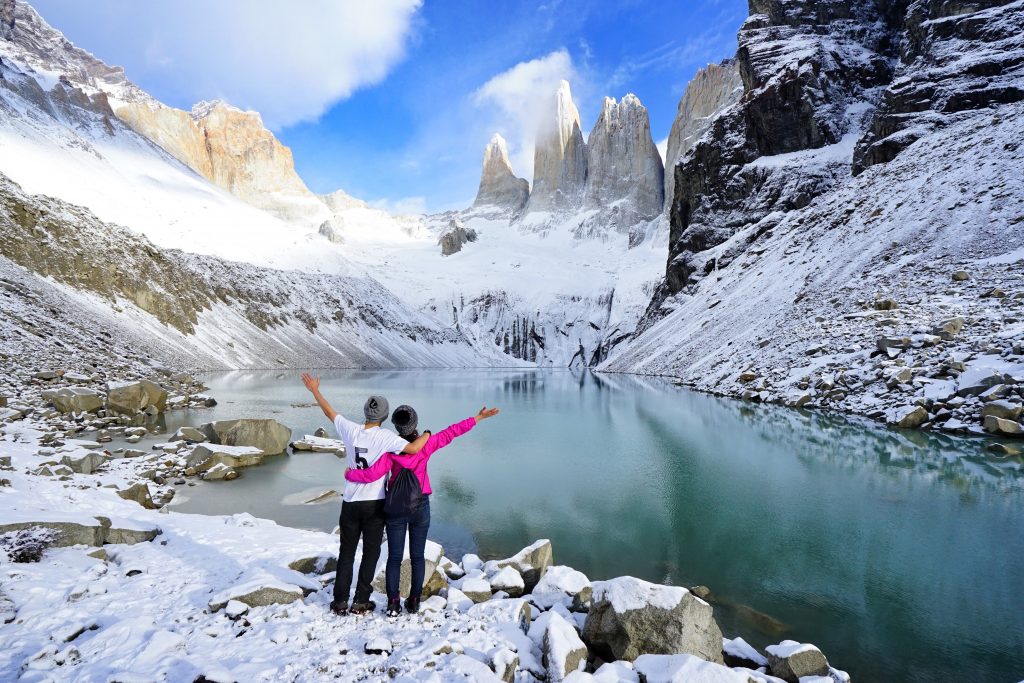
[{"x": 417, "y": 462}]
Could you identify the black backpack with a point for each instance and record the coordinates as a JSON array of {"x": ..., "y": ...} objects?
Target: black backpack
[{"x": 404, "y": 494}]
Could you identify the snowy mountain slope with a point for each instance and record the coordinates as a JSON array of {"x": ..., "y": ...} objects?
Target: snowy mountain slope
[
  {"x": 230, "y": 148},
  {"x": 101, "y": 279}
]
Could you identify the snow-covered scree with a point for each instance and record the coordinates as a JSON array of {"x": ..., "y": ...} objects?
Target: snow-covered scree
[{"x": 100, "y": 581}]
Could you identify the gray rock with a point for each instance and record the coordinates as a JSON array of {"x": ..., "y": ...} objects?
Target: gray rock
[
  {"x": 140, "y": 494},
  {"x": 315, "y": 564},
  {"x": 432, "y": 555},
  {"x": 629, "y": 617},
  {"x": 74, "y": 399},
  {"x": 885, "y": 344},
  {"x": 499, "y": 186},
  {"x": 95, "y": 533},
  {"x": 5, "y": 461},
  {"x": 331, "y": 232},
  {"x": 259, "y": 596},
  {"x": 910, "y": 417},
  {"x": 130, "y": 398},
  {"x": 454, "y": 237},
  {"x": 86, "y": 464},
  {"x": 531, "y": 562},
  {"x": 1004, "y": 410},
  {"x": 8, "y": 612},
  {"x": 562, "y": 651},
  {"x": 190, "y": 434},
  {"x": 997, "y": 425},
  {"x": 790, "y": 661},
  {"x": 961, "y": 276},
  {"x": 949, "y": 328},
  {"x": 504, "y": 663},
  {"x": 205, "y": 457},
  {"x": 270, "y": 436}
]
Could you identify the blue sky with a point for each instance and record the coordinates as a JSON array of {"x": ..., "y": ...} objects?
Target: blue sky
[{"x": 387, "y": 100}]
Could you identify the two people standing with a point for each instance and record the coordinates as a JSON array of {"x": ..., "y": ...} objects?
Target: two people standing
[{"x": 373, "y": 453}]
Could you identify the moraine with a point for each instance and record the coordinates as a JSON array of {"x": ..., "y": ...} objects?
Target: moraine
[{"x": 894, "y": 551}]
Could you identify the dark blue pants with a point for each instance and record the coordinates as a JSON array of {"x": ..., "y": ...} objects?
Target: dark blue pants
[{"x": 417, "y": 524}]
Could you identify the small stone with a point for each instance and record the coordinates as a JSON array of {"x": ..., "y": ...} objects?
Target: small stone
[
  {"x": 961, "y": 276},
  {"x": 378, "y": 646}
]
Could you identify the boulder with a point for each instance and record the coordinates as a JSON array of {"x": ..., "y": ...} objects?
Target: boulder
[
  {"x": 84, "y": 464},
  {"x": 205, "y": 457},
  {"x": 74, "y": 399},
  {"x": 561, "y": 649},
  {"x": 886, "y": 344},
  {"x": 961, "y": 276},
  {"x": 255, "y": 594},
  {"x": 997, "y": 425},
  {"x": 140, "y": 494},
  {"x": 790, "y": 660},
  {"x": 629, "y": 617},
  {"x": 432, "y": 555},
  {"x": 378, "y": 646},
  {"x": 531, "y": 562},
  {"x": 95, "y": 532},
  {"x": 130, "y": 398},
  {"x": 317, "y": 444},
  {"x": 907, "y": 417},
  {"x": 508, "y": 611},
  {"x": 1004, "y": 410},
  {"x": 477, "y": 589},
  {"x": 560, "y": 585},
  {"x": 738, "y": 652},
  {"x": 190, "y": 434},
  {"x": 949, "y": 328},
  {"x": 508, "y": 580},
  {"x": 320, "y": 563},
  {"x": 270, "y": 436},
  {"x": 503, "y": 663}
]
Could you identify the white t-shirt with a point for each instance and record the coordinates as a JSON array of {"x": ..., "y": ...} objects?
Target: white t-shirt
[{"x": 362, "y": 448}]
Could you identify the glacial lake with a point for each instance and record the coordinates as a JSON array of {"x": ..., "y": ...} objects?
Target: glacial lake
[{"x": 900, "y": 554}]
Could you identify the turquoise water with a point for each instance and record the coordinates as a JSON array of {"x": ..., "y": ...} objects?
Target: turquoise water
[{"x": 899, "y": 553}]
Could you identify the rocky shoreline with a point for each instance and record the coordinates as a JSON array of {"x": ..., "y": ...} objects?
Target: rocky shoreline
[{"x": 75, "y": 492}]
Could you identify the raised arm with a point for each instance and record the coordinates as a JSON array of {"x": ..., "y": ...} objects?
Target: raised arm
[
  {"x": 446, "y": 436},
  {"x": 313, "y": 384},
  {"x": 371, "y": 473}
]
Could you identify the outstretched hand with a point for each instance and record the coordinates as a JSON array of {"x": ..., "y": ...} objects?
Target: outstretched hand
[
  {"x": 312, "y": 383},
  {"x": 485, "y": 413}
]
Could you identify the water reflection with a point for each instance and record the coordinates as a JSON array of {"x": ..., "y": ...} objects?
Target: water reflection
[{"x": 898, "y": 552}]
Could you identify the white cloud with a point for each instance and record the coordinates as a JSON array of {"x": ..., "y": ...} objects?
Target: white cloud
[
  {"x": 289, "y": 61},
  {"x": 662, "y": 146},
  {"x": 519, "y": 98}
]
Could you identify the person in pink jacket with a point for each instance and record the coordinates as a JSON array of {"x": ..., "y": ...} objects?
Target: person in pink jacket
[{"x": 417, "y": 521}]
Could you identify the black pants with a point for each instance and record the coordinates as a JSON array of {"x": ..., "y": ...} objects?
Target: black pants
[{"x": 358, "y": 518}]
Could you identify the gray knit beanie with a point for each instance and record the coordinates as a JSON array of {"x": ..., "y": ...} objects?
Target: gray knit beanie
[{"x": 376, "y": 409}]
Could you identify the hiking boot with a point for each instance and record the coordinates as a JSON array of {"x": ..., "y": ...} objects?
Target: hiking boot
[
  {"x": 362, "y": 607},
  {"x": 339, "y": 608},
  {"x": 412, "y": 605},
  {"x": 394, "y": 607}
]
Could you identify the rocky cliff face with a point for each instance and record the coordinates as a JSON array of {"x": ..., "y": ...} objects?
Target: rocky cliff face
[
  {"x": 499, "y": 186},
  {"x": 6, "y": 18},
  {"x": 625, "y": 174},
  {"x": 810, "y": 72},
  {"x": 715, "y": 88},
  {"x": 954, "y": 57},
  {"x": 560, "y": 158}
]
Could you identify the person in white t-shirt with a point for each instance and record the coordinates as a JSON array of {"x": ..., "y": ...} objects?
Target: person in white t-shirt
[{"x": 362, "y": 511}]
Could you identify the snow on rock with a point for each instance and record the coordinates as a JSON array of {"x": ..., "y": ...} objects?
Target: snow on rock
[
  {"x": 560, "y": 585},
  {"x": 685, "y": 669},
  {"x": 432, "y": 554},
  {"x": 563, "y": 651},
  {"x": 508, "y": 580},
  {"x": 531, "y": 562},
  {"x": 791, "y": 661},
  {"x": 630, "y": 617},
  {"x": 740, "y": 650}
]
